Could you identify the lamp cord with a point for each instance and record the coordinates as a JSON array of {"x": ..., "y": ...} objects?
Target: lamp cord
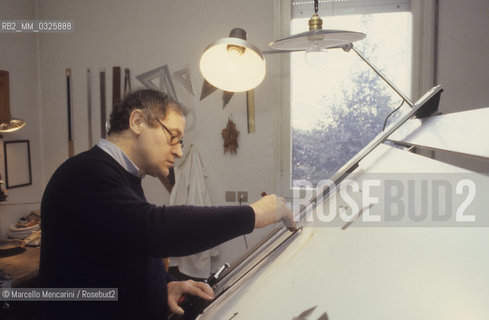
[
  {"x": 390, "y": 114},
  {"x": 316, "y": 6},
  {"x": 18, "y": 204}
]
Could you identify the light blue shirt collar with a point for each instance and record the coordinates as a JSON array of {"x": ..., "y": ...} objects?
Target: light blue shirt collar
[{"x": 119, "y": 156}]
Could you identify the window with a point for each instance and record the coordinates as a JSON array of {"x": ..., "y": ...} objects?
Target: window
[{"x": 335, "y": 109}]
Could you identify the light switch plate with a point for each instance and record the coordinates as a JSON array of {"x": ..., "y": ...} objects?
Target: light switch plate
[{"x": 230, "y": 196}]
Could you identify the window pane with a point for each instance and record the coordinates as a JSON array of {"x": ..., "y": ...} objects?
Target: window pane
[{"x": 336, "y": 109}]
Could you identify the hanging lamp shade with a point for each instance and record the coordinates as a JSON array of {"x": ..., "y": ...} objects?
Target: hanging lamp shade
[
  {"x": 233, "y": 64},
  {"x": 7, "y": 123},
  {"x": 324, "y": 39},
  {"x": 316, "y": 39}
]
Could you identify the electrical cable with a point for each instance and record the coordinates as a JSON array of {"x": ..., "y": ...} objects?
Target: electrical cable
[{"x": 390, "y": 114}]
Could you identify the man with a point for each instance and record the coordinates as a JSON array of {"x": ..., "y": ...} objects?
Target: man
[{"x": 98, "y": 230}]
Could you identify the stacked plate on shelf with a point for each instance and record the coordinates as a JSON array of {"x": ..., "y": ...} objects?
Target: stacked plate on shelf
[
  {"x": 22, "y": 232},
  {"x": 25, "y": 226}
]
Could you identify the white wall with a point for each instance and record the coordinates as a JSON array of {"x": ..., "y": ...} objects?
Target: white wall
[
  {"x": 463, "y": 69},
  {"x": 463, "y": 48},
  {"x": 18, "y": 57}
]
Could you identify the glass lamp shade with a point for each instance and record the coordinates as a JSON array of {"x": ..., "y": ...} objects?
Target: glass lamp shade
[
  {"x": 11, "y": 125},
  {"x": 233, "y": 65},
  {"x": 323, "y": 39}
]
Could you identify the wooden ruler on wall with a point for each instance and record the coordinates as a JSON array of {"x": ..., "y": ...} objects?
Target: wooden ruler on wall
[
  {"x": 89, "y": 108},
  {"x": 116, "y": 85},
  {"x": 250, "y": 108},
  {"x": 71, "y": 147},
  {"x": 103, "y": 114}
]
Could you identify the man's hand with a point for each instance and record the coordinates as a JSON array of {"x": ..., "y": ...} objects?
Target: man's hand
[
  {"x": 271, "y": 209},
  {"x": 189, "y": 287}
]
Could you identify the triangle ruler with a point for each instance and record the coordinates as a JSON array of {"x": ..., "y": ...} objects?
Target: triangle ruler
[
  {"x": 183, "y": 77},
  {"x": 165, "y": 82}
]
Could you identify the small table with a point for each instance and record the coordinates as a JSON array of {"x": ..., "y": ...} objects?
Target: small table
[{"x": 23, "y": 267}]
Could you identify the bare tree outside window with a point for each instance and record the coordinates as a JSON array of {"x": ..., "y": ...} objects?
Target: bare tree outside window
[{"x": 339, "y": 108}]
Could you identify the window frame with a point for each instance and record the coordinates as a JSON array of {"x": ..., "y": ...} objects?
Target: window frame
[{"x": 424, "y": 13}]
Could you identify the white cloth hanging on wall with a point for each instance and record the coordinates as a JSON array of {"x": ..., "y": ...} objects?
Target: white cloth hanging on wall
[{"x": 190, "y": 189}]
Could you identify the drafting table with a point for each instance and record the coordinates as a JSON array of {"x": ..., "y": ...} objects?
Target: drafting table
[{"x": 361, "y": 270}]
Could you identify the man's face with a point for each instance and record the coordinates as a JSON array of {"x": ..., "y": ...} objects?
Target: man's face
[{"x": 156, "y": 150}]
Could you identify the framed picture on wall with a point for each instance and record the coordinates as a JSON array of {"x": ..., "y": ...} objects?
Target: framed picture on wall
[{"x": 17, "y": 163}]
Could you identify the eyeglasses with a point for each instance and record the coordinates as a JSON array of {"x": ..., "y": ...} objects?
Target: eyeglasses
[{"x": 174, "y": 140}]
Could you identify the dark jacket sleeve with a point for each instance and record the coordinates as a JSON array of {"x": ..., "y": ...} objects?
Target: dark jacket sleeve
[{"x": 105, "y": 206}]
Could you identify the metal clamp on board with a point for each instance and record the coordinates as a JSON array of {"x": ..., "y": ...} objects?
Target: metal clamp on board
[{"x": 192, "y": 305}]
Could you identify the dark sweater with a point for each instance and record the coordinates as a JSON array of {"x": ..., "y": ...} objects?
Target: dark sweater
[{"x": 98, "y": 231}]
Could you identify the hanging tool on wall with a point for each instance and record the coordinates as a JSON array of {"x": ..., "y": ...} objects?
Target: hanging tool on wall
[
  {"x": 127, "y": 80},
  {"x": 226, "y": 97},
  {"x": 103, "y": 114},
  {"x": 183, "y": 77},
  {"x": 89, "y": 108},
  {"x": 207, "y": 89},
  {"x": 250, "y": 109},
  {"x": 71, "y": 148},
  {"x": 230, "y": 135},
  {"x": 116, "y": 85},
  {"x": 163, "y": 75}
]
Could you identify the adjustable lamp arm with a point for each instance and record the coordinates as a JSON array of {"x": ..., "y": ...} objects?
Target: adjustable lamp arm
[{"x": 350, "y": 46}]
